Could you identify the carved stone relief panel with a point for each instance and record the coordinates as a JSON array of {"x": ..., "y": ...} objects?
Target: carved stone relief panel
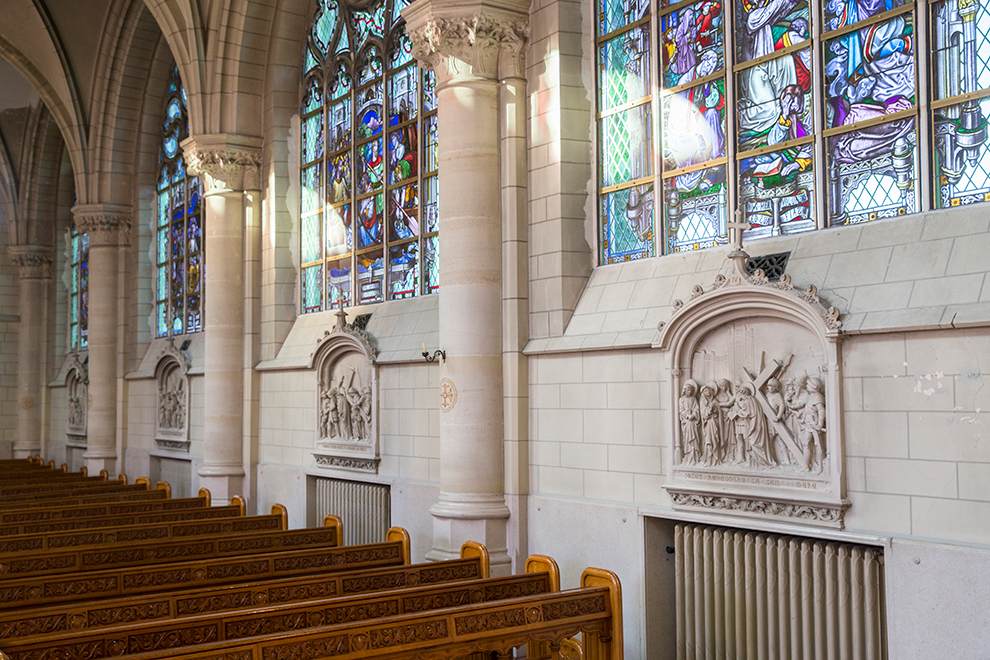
[
  {"x": 347, "y": 399},
  {"x": 172, "y": 400},
  {"x": 755, "y": 384},
  {"x": 77, "y": 403}
]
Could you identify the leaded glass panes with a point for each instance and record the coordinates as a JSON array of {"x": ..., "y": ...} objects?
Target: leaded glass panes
[
  {"x": 811, "y": 119},
  {"x": 961, "y": 71},
  {"x": 78, "y": 291},
  {"x": 363, "y": 226},
  {"x": 179, "y": 224}
]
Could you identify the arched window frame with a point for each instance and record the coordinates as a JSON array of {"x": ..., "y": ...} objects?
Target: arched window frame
[
  {"x": 391, "y": 252},
  {"x": 657, "y": 194},
  {"x": 178, "y": 251}
]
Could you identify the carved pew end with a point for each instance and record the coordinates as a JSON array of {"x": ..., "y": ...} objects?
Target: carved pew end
[
  {"x": 602, "y": 646},
  {"x": 331, "y": 520},
  {"x": 280, "y": 510},
  {"x": 83, "y": 471},
  {"x": 164, "y": 485},
  {"x": 104, "y": 474},
  {"x": 205, "y": 494},
  {"x": 543, "y": 564},
  {"x": 401, "y": 535},
  {"x": 472, "y": 549},
  {"x": 237, "y": 500},
  {"x": 143, "y": 480},
  {"x": 64, "y": 468}
]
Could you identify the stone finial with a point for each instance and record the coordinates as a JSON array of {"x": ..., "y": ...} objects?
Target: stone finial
[
  {"x": 224, "y": 162},
  {"x": 34, "y": 262},
  {"x": 477, "y": 41},
  {"x": 107, "y": 225}
]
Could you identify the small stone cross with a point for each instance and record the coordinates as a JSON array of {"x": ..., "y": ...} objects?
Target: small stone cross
[{"x": 736, "y": 229}]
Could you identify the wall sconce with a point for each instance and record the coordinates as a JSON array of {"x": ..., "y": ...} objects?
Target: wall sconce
[{"x": 437, "y": 353}]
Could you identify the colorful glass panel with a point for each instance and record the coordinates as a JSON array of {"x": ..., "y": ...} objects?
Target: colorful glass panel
[
  {"x": 431, "y": 265},
  {"x": 361, "y": 150},
  {"x": 775, "y": 101},
  {"x": 616, "y": 14},
  {"x": 431, "y": 205},
  {"x": 873, "y": 173},
  {"x": 628, "y": 231},
  {"x": 870, "y": 73},
  {"x": 766, "y": 27},
  {"x": 78, "y": 254},
  {"x": 627, "y": 140},
  {"x": 962, "y": 154},
  {"x": 693, "y": 43},
  {"x": 695, "y": 209},
  {"x": 325, "y": 25},
  {"x": 624, "y": 68},
  {"x": 776, "y": 192},
  {"x": 842, "y": 13},
  {"x": 694, "y": 125}
]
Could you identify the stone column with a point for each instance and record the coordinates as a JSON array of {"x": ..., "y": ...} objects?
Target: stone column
[
  {"x": 34, "y": 264},
  {"x": 108, "y": 227},
  {"x": 228, "y": 166},
  {"x": 463, "y": 44}
]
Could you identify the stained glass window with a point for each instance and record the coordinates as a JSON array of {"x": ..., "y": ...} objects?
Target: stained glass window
[
  {"x": 178, "y": 226},
  {"x": 368, "y": 204},
  {"x": 811, "y": 118},
  {"x": 78, "y": 290}
]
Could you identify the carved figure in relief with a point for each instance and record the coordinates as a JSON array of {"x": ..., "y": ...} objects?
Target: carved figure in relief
[
  {"x": 172, "y": 402},
  {"x": 343, "y": 411},
  {"x": 77, "y": 410},
  {"x": 812, "y": 438},
  {"x": 711, "y": 425},
  {"x": 345, "y": 408},
  {"x": 780, "y": 412},
  {"x": 689, "y": 413},
  {"x": 725, "y": 399},
  {"x": 329, "y": 417},
  {"x": 756, "y": 431}
]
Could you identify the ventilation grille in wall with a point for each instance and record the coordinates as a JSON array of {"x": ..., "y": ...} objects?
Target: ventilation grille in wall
[
  {"x": 773, "y": 265},
  {"x": 364, "y": 508},
  {"x": 177, "y": 472},
  {"x": 766, "y": 596}
]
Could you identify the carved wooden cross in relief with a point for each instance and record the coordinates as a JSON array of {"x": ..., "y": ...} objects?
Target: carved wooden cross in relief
[{"x": 736, "y": 229}]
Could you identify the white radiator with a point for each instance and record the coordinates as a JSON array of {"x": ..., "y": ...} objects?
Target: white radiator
[
  {"x": 364, "y": 508},
  {"x": 752, "y": 596}
]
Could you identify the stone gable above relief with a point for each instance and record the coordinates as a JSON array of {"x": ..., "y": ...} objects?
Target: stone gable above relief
[
  {"x": 755, "y": 389},
  {"x": 347, "y": 399}
]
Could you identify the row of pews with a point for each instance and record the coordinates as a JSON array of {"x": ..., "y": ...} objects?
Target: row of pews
[{"x": 92, "y": 568}]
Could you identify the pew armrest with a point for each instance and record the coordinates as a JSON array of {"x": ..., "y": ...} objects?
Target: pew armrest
[
  {"x": 544, "y": 564},
  {"x": 280, "y": 510},
  {"x": 472, "y": 549},
  {"x": 143, "y": 480},
  {"x": 599, "y": 577},
  {"x": 237, "y": 500},
  {"x": 164, "y": 485},
  {"x": 401, "y": 535},
  {"x": 205, "y": 494},
  {"x": 331, "y": 520}
]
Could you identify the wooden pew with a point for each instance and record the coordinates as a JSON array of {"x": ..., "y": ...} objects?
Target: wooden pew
[
  {"x": 53, "y": 541},
  {"x": 118, "y": 520},
  {"x": 35, "y": 591},
  {"x": 594, "y": 610},
  {"x": 87, "y": 615},
  {"x": 156, "y": 500},
  {"x": 66, "y": 562},
  {"x": 53, "y": 490},
  {"x": 47, "y": 477},
  {"x": 186, "y": 631}
]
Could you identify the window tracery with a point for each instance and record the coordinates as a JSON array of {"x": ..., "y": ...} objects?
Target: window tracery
[
  {"x": 802, "y": 120},
  {"x": 368, "y": 203},
  {"x": 179, "y": 248}
]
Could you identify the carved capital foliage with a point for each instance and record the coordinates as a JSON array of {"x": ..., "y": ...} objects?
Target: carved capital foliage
[
  {"x": 224, "y": 162},
  {"x": 33, "y": 262},
  {"x": 480, "y": 45},
  {"x": 107, "y": 225}
]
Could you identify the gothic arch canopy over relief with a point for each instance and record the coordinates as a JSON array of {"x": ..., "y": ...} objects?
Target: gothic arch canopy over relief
[
  {"x": 77, "y": 408},
  {"x": 347, "y": 399},
  {"x": 756, "y": 423},
  {"x": 172, "y": 399}
]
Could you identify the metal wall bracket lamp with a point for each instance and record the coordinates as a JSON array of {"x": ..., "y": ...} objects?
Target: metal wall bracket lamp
[{"x": 437, "y": 353}]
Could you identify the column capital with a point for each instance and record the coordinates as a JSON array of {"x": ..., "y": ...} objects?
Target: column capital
[
  {"x": 34, "y": 262},
  {"x": 462, "y": 41},
  {"x": 224, "y": 161},
  {"x": 107, "y": 225}
]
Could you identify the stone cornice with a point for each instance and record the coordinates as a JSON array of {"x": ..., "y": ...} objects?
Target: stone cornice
[
  {"x": 107, "y": 225},
  {"x": 34, "y": 262},
  {"x": 467, "y": 41},
  {"x": 223, "y": 161}
]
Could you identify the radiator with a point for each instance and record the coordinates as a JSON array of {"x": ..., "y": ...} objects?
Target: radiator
[
  {"x": 176, "y": 471},
  {"x": 752, "y": 596},
  {"x": 364, "y": 508}
]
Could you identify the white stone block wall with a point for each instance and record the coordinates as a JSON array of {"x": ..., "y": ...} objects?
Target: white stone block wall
[{"x": 9, "y": 308}]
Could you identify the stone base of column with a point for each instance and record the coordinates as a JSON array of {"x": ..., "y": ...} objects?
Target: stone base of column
[
  {"x": 460, "y": 517},
  {"x": 96, "y": 461},
  {"x": 223, "y": 482},
  {"x": 23, "y": 451}
]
